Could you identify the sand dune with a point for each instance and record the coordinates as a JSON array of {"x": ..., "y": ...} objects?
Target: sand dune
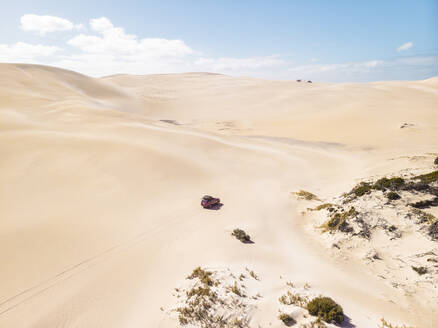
[{"x": 101, "y": 181}]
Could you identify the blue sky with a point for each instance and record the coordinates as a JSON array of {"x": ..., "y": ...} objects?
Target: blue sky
[{"x": 334, "y": 41}]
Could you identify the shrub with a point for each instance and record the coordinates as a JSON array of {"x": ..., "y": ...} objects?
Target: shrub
[
  {"x": 362, "y": 189},
  {"x": 393, "y": 195},
  {"x": 425, "y": 203},
  {"x": 392, "y": 183},
  {"x": 433, "y": 230},
  {"x": 202, "y": 275},
  {"x": 326, "y": 309},
  {"x": 236, "y": 290},
  {"x": 420, "y": 270},
  {"x": 386, "y": 324},
  {"x": 323, "y": 206},
  {"x": 424, "y": 217},
  {"x": 435, "y": 161},
  {"x": 241, "y": 235},
  {"x": 295, "y": 299},
  {"x": 339, "y": 221},
  {"x": 417, "y": 186},
  {"x": 286, "y": 318},
  {"x": 302, "y": 194},
  {"x": 429, "y": 177}
]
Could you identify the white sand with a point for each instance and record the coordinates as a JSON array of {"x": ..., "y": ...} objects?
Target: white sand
[{"x": 99, "y": 199}]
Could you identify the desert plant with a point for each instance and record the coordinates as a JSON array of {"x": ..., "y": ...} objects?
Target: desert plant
[
  {"x": 286, "y": 318},
  {"x": 361, "y": 189},
  {"x": 386, "y": 324},
  {"x": 433, "y": 230},
  {"x": 294, "y": 299},
  {"x": 254, "y": 275},
  {"x": 424, "y": 217},
  {"x": 435, "y": 161},
  {"x": 339, "y": 220},
  {"x": 394, "y": 183},
  {"x": 429, "y": 177},
  {"x": 328, "y": 206},
  {"x": 202, "y": 275},
  {"x": 393, "y": 195},
  {"x": 326, "y": 309},
  {"x": 236, "y": 290},
  {"x": 302, "y": 194},
  {"x": 420, "y": 270},
  {"x": 425, "y": 203},
  {"x": 241, "y": 235}
]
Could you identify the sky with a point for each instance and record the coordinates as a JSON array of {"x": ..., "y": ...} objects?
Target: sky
[{"x": 328, "y": 41}]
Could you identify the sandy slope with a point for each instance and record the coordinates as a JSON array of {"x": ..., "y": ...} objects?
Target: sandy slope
[{"x": 99, "y": 197}]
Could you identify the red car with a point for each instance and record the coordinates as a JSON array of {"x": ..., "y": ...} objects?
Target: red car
[{"x": 209, "y": 202}]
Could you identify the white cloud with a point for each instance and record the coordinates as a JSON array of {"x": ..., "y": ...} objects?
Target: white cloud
[
  {"x": 24, "y": 51},
  {"x": 114, "y": 41},
  {"x": 101, "y": 24},
  {"x": 106, "y": 49},
  {"x": 46, "y": 24},
  {"x": 405, "y": 46}
]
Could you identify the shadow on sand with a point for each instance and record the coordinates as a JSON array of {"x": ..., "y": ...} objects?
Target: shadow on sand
[
  {"x": 347, "y": 322},
  {"x": 215, "y": 207}
]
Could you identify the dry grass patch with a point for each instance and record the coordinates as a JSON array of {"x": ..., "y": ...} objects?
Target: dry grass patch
[{"x": 302, "y": 194}]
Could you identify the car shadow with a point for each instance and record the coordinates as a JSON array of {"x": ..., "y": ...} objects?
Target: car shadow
[{"x": 215, "y": 207}]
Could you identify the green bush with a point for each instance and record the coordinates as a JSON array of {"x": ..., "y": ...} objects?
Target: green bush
[
  {"x": 362, "y": 189},
  {"x": 241, "y": 235},
  {"x": 420, "y": 270},
  {"x": 433, "y": 230},
  {"x": 392, "y": 183},
  {"x": 202, "y": 275},
  {"x": 302, "y": 194},
  {"x": 339, "y": 220},
  {"x": 393, "y": 195},
  {"x": 286, "y": 318},
  {"x": 429, "y": 177},
  {"x": 326, "y": 309}
]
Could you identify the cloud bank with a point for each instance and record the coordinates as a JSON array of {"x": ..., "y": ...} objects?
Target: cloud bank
[
  {"x": 46, "y": 24},
  {"x": 99, "y": 48}
]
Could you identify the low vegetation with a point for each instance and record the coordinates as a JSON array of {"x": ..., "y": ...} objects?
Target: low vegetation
[
  {"x": 339, "y": 220},
  {"x": 330, "y": 207},
  {"x": 208, "y": 301},
  {"x": 318, "y": 323},
  {"x": 361, "y": 189},
  {"x": 302, "y": 194},
  {"x": 286, "y": 318},
  {"x": 384, "y": 183},
  {"x": 420, "y": 270},
  {"x": 386, "y": 324},
  {"x": 429, "y": 177},
  {"x": 435, "y": 161},
  {"x": 241, "y": 235},
  {"x": 294, "y": 299},
  {"x": 202, "y": 275},
  {"x": 326, "y": 309},
  {"x": 392, "y": 195},
  {"x": 433, "y": 230}
]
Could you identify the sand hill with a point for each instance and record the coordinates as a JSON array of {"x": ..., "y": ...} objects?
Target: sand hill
[{"x": 101, "y": 181}]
